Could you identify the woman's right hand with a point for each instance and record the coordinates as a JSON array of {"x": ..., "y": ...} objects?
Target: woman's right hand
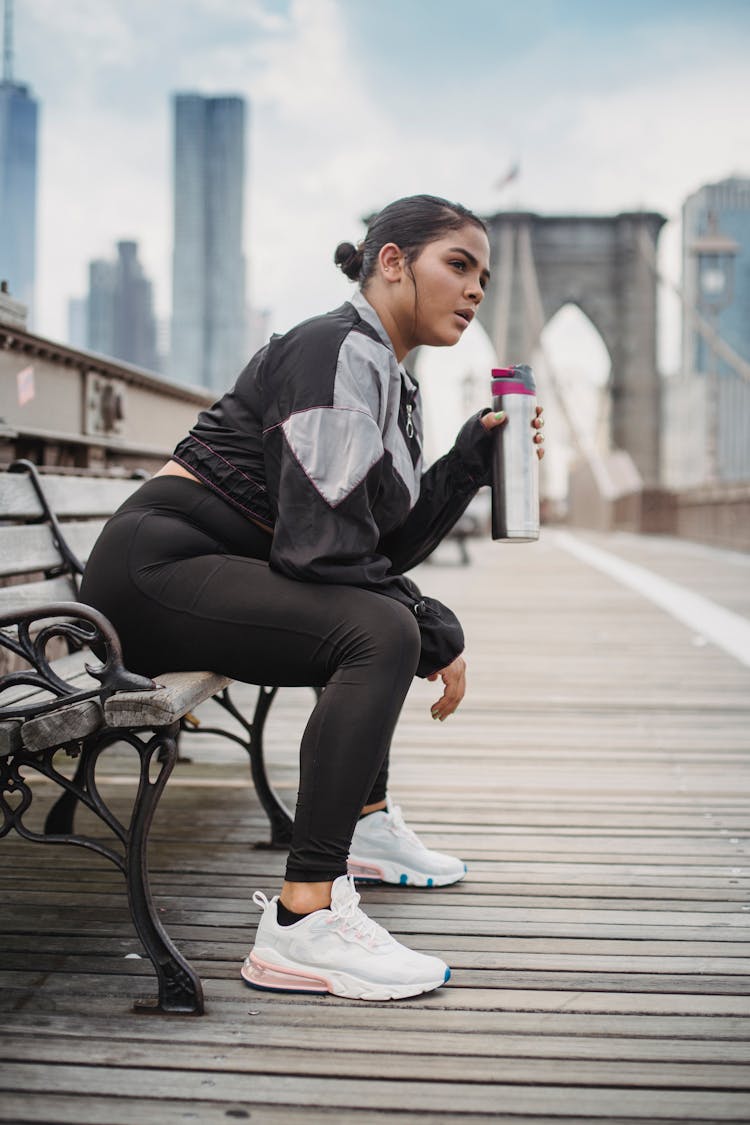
[
  {"x": 454, "y": 679},
  {"x": 492, "y": 420}
]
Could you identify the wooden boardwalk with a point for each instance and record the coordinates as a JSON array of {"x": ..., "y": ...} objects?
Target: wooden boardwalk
[{"x": 596, "y": 781}]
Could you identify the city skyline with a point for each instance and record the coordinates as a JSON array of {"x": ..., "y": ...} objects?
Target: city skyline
[
  {"x": 119, "y": 318},
  {"x": 19, "y": 113},
  {"x": 355, "y": 104},
  {"x": 208, "y": 334}
]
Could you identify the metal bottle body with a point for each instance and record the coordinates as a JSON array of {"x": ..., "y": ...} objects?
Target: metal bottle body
[{"x": 515, "y": 466}]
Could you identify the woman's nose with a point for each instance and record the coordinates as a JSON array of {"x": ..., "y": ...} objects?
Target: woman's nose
[{"x": 475, "y": 292}]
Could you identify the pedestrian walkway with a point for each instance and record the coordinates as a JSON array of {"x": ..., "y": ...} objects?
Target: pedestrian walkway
[{"x": 596, "y": 781}]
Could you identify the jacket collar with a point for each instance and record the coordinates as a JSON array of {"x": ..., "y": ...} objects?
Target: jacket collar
[{"x": 368, "y": 314}]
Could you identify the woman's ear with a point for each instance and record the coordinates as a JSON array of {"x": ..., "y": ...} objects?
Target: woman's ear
[{"x": 391, "y": 261}]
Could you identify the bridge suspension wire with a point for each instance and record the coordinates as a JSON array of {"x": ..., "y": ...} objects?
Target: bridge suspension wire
[
  {"x": 707, "y": 330},
  {"x": 532, "y": 299}
]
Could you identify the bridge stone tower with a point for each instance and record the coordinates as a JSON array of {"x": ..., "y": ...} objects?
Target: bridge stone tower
[{"x": 602, "y": 265}]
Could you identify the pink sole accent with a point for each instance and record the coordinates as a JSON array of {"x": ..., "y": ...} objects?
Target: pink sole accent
[
  {"x": 364, "y": 870},
  {"x": 262, "y": 974}
]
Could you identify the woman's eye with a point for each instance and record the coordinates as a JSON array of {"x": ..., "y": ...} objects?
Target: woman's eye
[{"x": 459, "y": 264}]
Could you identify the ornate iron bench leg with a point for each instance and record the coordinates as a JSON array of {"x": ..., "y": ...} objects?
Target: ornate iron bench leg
[{"x": 179, "y": 985}]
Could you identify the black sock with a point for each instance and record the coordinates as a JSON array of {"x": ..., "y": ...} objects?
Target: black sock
[
  {"x": 288, "y": 917},
  {"x": 362, "y": 815}
]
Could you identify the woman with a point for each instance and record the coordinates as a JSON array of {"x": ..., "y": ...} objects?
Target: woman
[{"x": 272, "y": 549}]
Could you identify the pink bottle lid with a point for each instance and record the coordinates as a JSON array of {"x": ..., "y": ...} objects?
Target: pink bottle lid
[{"x": 512, "y": 381}]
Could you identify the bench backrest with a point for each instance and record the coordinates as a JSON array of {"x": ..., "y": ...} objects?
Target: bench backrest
[{"x": 30, "y": 550}]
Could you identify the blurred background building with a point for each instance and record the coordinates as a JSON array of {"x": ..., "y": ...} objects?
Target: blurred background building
[
  {"x": 209, "y": 337},
  {"x": 19, "y": 113},
  {"x": 711, "y": 400},
  {"x": 119, "y": 310}
]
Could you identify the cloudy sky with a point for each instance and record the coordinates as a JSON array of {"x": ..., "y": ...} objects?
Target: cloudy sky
[{"x": 606, "y": 105}]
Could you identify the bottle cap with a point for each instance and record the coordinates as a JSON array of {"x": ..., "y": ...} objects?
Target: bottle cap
[{"x": 518, "y": 380}]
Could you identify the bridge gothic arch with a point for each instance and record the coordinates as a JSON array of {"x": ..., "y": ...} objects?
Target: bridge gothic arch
[{"x": 541, "y": 263}]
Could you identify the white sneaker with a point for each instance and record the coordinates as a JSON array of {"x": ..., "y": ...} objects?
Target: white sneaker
[
  {"x": 340, "y": 950},
  {"x": 384, "y": 849}
]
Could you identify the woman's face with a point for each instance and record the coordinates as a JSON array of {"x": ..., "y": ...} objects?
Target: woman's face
[{"x": 450, "y": 276}]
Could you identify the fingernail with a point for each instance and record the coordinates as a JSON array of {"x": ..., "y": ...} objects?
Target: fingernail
[{"x": 500, "y": 415}]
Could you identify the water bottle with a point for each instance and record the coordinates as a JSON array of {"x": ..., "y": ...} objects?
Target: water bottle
[{"x": 515, "y": 465}]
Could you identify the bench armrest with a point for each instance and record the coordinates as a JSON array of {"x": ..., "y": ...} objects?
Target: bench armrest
[{"x": 73, "y": 622}]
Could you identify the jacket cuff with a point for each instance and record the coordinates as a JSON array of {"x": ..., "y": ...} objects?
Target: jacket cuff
[
  {"x": 473, "y": 447},
  {"x": 442, "y": 636}
]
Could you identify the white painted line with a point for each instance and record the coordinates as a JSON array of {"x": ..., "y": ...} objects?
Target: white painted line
[{"x": 726, "y": 629}]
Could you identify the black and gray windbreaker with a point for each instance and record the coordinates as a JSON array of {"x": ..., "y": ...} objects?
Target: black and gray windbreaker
[{"x": 320, "y": 440}]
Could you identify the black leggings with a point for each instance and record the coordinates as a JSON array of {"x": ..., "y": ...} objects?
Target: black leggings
[{"x": 184, "y": 579}]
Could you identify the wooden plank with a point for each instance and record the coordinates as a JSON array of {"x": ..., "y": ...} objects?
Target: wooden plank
[
  {"x": 250, "y": 1090},
  {"x": 228, "y": 1018},
  {"x": 65, "y": 1040},
  {"x": 70, "y": 496},
  {"x": 339, "y": 1061},
  {"x": 67, "y": 1109},
  {"x": 35, "y": 595},
  {"x": 18, "y": 500}
]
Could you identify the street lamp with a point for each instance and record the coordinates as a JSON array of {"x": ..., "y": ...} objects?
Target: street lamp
[{"x": 715, "y": 255}]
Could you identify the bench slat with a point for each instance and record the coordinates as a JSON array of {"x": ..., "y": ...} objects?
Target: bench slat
[
  {"x": 86, "y": 496},
  {"x": 81, "y": 536},
  {"x": 27, "y": 549},
  {"x": 34, "y": 595},
  {"x": 70, "y": 668},
  {"x": 67, "y": 496},
  {"x": 69, "y": 723},
  {"x": 177, "y": 693},
  {"x": 18, "y": 500}
]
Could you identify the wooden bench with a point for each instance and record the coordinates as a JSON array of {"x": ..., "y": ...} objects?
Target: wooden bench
[{"x": 70, "y": 700}]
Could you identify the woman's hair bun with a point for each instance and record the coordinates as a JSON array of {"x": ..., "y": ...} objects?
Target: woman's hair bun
[{"x": 349, "y": 259}]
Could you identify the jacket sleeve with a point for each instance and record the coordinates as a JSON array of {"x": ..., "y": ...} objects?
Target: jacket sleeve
[
  {"x": 445, "y": 492},
  {"x": 328, "y": 462}
]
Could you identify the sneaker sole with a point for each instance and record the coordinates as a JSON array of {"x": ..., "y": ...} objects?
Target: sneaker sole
[
  {"x": 365, "y": 871},
  {"x": 264, "y": 971}
]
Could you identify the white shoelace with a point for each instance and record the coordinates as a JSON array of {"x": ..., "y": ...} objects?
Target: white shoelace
[
  {"x": 398, "y": 825},
  {"x": 349, "y": 919}
]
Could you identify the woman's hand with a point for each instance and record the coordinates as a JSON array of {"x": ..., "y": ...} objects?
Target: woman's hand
[
  {"x": 491, "y": 420},
  {"x": 538, "y": 424},
  {"x": 454, "y": 678}
]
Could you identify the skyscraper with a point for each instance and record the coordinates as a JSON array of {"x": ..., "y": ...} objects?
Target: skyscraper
[
  {"x": 208, "y": 281},
  {"x": 120, "y": 312},
  {"x": 18, "y": 150},
  {"x": 716, "y": 282}
]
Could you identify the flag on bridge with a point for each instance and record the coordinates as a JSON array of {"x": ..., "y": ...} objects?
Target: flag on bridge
[{"x": 512, "y": 174}]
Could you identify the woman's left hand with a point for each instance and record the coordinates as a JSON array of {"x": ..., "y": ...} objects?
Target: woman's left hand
[
  {"x": 491, "y": 420},
  {"x": 454, "y": 679}
]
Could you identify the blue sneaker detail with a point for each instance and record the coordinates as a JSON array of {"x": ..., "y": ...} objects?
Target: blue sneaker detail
[
  {"x": 404, "y": 879},
  {"x": 429, "y": 882},
  {"x": 447, "y": 976}
]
